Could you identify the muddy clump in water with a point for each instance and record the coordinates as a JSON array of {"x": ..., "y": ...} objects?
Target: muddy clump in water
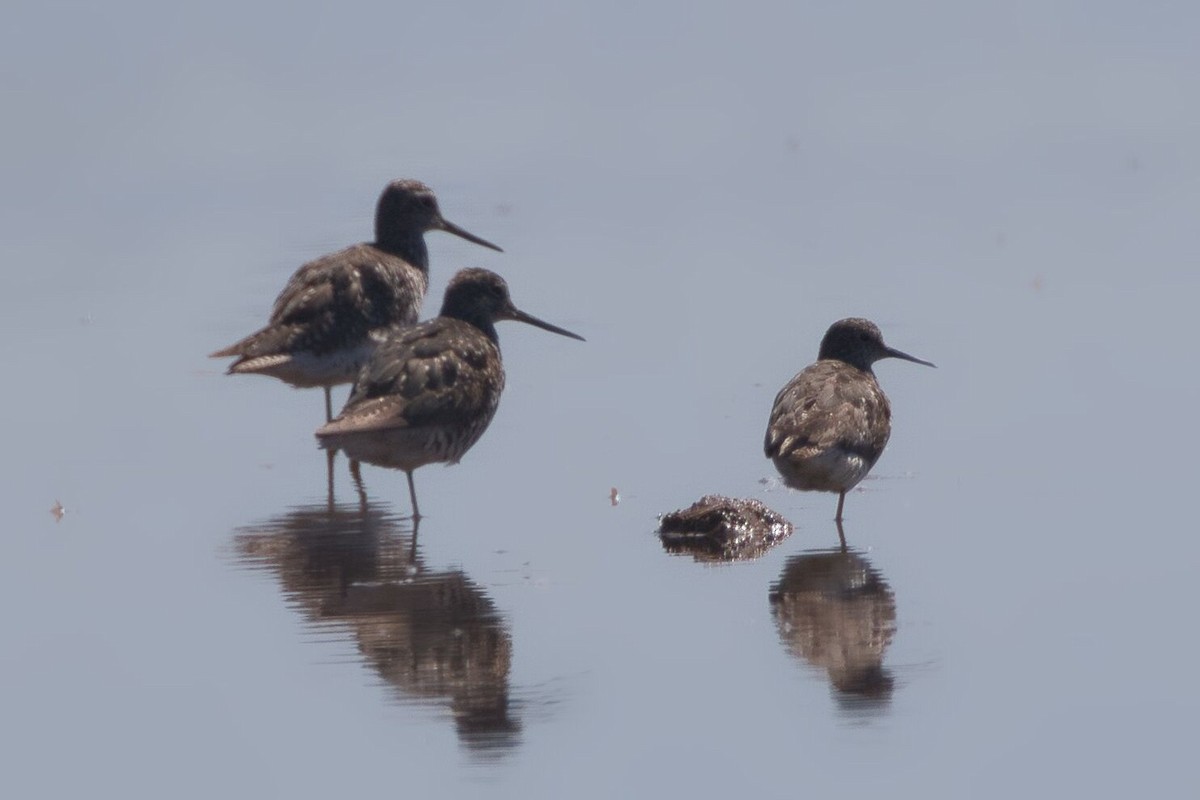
[{"x": 717, "y": 528}]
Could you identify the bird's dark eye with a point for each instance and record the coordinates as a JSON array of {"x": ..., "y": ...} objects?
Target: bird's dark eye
[{"x": 427, "y": 201}]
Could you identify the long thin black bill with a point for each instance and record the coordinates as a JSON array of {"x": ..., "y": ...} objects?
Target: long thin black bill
[
  {"x": 450, "y": 227},
  {"x": 518, "y": 315},
  {"x": 897, "y": 354}
]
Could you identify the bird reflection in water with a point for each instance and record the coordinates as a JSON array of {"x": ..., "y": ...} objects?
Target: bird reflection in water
[
  {"x": 835, "y": 611},
  {"x": 434, "y": 637}
]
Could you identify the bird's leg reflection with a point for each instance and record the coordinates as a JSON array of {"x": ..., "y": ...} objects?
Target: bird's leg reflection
[
  {"x": 329, "y": 457},
  {"x": 356, "y": 474},
  {"x": 412, "y": 552}
]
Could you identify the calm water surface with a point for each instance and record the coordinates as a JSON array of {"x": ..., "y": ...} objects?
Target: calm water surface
[{"x": 1009, "y": 192}]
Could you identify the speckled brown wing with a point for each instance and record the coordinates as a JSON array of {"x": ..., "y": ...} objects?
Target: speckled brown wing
[
  {"x": 828, "y": 406},
  {"x": 443, "y": 372},
  {"x": 335, "y": 302}
]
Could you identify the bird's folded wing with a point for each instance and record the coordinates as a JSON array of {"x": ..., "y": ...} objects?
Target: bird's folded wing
[
  {"x": 433, "y": 374},
  {"x": 820, "y": 409}
]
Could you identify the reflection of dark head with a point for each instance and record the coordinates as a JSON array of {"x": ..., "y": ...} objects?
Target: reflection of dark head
[
  {"x": 484, "y": 724},
  {"x": 870, "y": 687},
  {"x": 833, "y": 610}
]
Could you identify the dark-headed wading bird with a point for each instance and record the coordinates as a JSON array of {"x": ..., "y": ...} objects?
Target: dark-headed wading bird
[
  {"x": 428, "y": 392},
  {"x": 334, "y": 310},
  {"x": 831, "y": 422}
]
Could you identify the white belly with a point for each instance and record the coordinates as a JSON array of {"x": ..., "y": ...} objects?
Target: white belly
[
  {"x": 304, "y": 369},
  {"x": 833, "y": 470}
]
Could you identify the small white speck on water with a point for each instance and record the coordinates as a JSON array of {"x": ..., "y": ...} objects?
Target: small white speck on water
[
  {"x": 770, "y": 484},
  {"x": 614, "y": 497},
  {"x": 58, "y": 511}
]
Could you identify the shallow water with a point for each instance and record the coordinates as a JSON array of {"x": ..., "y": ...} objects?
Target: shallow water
[{"x": 1010, "y": 193}]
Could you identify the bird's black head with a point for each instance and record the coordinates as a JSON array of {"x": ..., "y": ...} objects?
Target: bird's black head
[
  {"x": 409, "y": 202},
  {"x": 409, "y": 208},
  {"x": 859, "y": 343},
  {"x": 476, "y": 292},
  {"x": 480, "y": 297}
]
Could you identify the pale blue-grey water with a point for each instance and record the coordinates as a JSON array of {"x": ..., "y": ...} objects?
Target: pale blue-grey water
[{"x": 1009, "y": 190}]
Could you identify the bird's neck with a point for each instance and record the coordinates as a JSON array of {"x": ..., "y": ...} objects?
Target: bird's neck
[
  {"x": 861, "y": 366},
  {"x": 482, "y": 322},
  {"x": 408, "y": 245}
]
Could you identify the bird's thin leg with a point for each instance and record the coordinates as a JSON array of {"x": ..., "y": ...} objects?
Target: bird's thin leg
[
  {"x": 356, "y": 473},
  {"x": 328, "y": 404},
  {"x": 412, "y": 493},
  {"x": 841, "y": 535},
  {"x": 841, "y": 502}
]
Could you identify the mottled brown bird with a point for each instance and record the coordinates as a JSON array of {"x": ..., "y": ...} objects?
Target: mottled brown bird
[
  {"x": 428, "y": 392},
  {"x": 830, "y": 424},
  {"x": 334, "y": 310}
]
